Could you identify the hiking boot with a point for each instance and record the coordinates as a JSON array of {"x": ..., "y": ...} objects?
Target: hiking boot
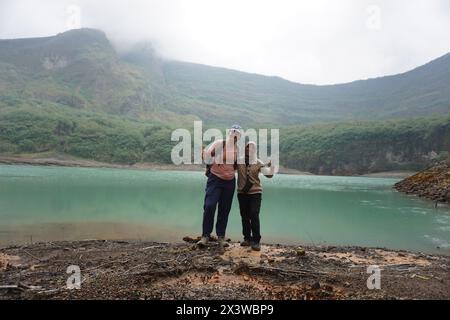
[
  {"x": 245, "y": 243},
  {"x": 222, "y": 242},
  {"x": 203, "y": 242},
  {"x": 256, "y": 246}
]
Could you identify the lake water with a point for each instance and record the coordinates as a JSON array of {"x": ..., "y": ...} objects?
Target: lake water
[{"x": 57, "y": 203}]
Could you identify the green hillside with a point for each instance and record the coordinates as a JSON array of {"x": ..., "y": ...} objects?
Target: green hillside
[
  {"x": 344, "y": 148},
  {"x": 101, "y": 137},
  {"x": 74, "y": 94},
  {"x": 363, "y": 147},
  {"x": 423, "y": 91},
  {"x": 81, "y": 69}
]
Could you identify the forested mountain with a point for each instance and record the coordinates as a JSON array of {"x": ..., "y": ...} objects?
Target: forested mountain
[
  {"x": 75, "y": 94},
  {"x": 82, "y": 70}
]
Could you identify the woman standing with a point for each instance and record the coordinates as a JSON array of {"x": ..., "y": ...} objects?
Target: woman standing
[
  {"x": 249, "y": 195},
  {"x": 220, "y": 186}
]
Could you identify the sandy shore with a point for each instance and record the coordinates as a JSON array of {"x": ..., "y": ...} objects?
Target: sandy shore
[{"x": 150, "y": 270}]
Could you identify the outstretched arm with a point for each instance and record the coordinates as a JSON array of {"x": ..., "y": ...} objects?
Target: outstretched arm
[{"x": 267, "y": 169}]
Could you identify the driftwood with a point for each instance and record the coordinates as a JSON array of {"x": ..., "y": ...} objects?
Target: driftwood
[
  {"x": 21, "y": 286},
  {"x": 190, "y": 239},
  {"x": 10, "y": 287},
  {"x": 28, "y": 287},
  {"x": 245, "y": 268},
  {"x": 31, "y": 255},
  {"x": 152, "y": 247}
]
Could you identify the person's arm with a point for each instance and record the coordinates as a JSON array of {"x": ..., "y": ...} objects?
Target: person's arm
[
  {"x": 210, "y": 152},
  {"x": 267, "y": 169}
]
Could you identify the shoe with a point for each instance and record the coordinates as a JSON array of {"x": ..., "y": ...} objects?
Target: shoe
[
  {"x": 222, "y": 242},
  {"x": 245, "y": 243},
  {"x": 256, "y": 246},
  {"x": 203, "y": 242}
]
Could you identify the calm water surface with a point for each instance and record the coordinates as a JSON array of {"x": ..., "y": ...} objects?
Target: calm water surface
[{"x": 57, "y": 203}]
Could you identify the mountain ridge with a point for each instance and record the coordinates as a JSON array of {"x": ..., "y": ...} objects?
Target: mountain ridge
[
  {"x": 92, "y": 31},
  {"x": 82, "y": 69},
  {"x": 74, "y": 94}
]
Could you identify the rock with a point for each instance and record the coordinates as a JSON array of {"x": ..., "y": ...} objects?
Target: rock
[
  {"x": 300, "y": 252},
  {"x": 328, "y": 288},
  {"x": 431, "y": 183},
  {"x": 189, "y": 239},
  {"x": 315, "y": 286}
]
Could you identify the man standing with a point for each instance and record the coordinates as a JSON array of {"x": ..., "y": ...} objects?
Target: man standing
[{"x": 222, "y": 154}]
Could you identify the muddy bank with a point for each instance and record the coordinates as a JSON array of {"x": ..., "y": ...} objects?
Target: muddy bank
[
  {"x": 432, "y": 183},
  {"x": 390, "y": 174},
  {"x": 150, "y": 270},
  {"x": 93, "y": 164},
  {"x": 64, "y": 161}
]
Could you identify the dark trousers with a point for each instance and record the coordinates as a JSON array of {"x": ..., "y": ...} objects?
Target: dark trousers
[
  {"x": 218, "y": 192},
  {"x": 249, "y": 205}
]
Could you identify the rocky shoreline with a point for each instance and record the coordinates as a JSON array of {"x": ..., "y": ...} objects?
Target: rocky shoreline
[
  {"x": 150, "y": 270},
  {"x": 432, "y": 183}
]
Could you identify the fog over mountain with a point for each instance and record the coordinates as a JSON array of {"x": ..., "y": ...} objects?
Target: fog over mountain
[
  {"x": 320, "y": 42},
  {"x": 81, "y": 69}
]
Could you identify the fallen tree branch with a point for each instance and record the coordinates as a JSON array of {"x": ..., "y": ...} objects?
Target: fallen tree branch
[
  {"x": 10, "y": 287},
  {"x": 303, "y": 272},
  {"x": 21, "y": 286},
  {"x": 31, "y": 255}
]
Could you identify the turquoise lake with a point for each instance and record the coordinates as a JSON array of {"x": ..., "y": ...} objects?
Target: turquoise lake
[{"x": 58, "y": 203}]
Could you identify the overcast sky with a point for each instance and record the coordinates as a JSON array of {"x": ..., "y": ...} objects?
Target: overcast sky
[{"x": 315, "y": 41}]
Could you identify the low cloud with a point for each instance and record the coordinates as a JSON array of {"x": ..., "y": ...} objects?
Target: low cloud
[{"x": 321, "y": 42}]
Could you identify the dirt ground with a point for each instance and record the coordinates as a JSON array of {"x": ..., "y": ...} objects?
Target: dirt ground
[{"x": 149, "y": 270}]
